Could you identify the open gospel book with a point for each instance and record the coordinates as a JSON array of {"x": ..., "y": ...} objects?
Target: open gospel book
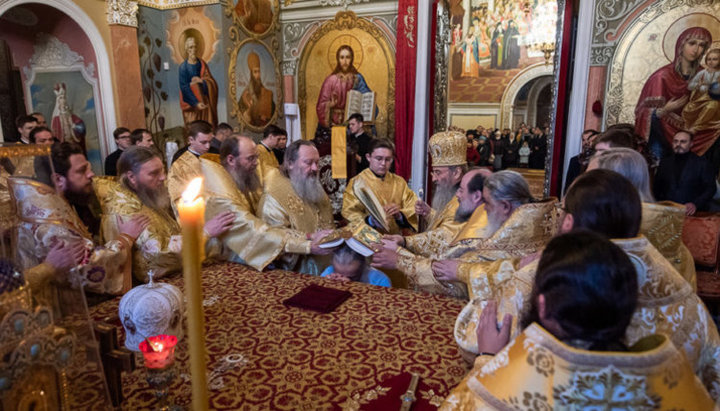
[
  {"x": 363, "y": 103},
  {"x": 372, "y": 204},
  {"x": 363, "y": 239}
]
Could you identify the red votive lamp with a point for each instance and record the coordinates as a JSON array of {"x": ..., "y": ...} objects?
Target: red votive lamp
[{"x": 162, "y": 352}]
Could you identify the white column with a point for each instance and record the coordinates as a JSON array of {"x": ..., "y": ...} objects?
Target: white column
[
  {"x": 423, "y": 97},
  {"x": 578, "y": 94}
]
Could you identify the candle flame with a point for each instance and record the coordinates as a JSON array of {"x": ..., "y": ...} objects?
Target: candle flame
[{"x": 192, "y": 191}]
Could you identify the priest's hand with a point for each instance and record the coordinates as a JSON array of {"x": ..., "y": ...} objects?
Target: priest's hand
[
  {"x": 64, "y": 256},
  {"x": 134, "y": 226},
  {"x": 690, "y": 209},
  {"x": 445, "y": 270},
  {"x": 491, "y": 336},
  {"x": 422, "y": 208},
  {"x": 529, "y": 259},
  {"x": 392, "y": 210},
  {"x": 385, "y": 258},
  {"x": 219, "y": 224},
  {"x": 319, "y": 235},
  {"x": 396, "y": 239}
]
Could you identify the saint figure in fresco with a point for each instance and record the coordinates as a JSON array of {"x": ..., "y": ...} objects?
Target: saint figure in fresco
[
  {"x": 702, "y": 112},
  {"x": 469, "y": 49},
  {"x": 658, "y": 113},
  {"x": 256, "y": 102},
  {"x": 345, "y": 77},
  {"x": 256, "y": 15},
  {"x": 65, "y": 125},
  {"x": 496, "y": 47},
  {"x": 198, "y": 88},
  {"x": 511, "y": 48}
]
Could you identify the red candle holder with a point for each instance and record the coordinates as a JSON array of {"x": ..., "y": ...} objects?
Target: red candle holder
[{"x": 158, "y": 351}]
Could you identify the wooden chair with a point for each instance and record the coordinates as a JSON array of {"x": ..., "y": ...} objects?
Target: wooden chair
[{"x": 701, "y": 234}]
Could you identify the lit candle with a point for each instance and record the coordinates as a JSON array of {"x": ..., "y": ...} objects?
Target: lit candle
[
  {"x": 192, "y": 215},
  {"x": 158, "y": 351}
]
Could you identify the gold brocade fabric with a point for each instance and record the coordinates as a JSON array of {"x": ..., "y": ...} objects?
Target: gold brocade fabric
[
  {"x": 263, "y": 355},
  {"x": 182, "y": 171},
  {"x": 45, "y": 219},
  {"x": 526, "y": 231},
  {"x": 536, "y": 371},
  {"x": 158, "y": 247},
  {"x": 266, "y": 157},
  {"x": 280, "y": 206},
  {"x": 393, "y": 189},
  {"x": 666, "y": 305},
  {"x": 441, "y": 230},
  {"x": 662, "y": 224},
  {"x": 249, "y": 241}
]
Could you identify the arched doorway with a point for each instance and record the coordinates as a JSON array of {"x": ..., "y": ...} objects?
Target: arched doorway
[
  {"x": 532, "y": 103},
  {"x": 56, "y": 42}
]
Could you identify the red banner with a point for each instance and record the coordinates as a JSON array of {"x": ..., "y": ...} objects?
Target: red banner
[{"x": 405, "y": 58}]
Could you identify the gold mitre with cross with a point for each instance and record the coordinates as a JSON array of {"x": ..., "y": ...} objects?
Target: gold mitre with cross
[{"x": 448, "y": 148}]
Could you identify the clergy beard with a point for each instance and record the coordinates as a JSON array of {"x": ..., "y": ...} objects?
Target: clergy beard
[
  {"x": 494, "y": 223},
  {"x": 443, "y": 194},
  {"x": 158, "y": 199},
  {"x": 256, "y": 86},
  {"x": 245, "y": 182},
  {"x": 77, "y": 197},
  {"x": 307, "y": 187},
  {"x": 462, "y": 215}
]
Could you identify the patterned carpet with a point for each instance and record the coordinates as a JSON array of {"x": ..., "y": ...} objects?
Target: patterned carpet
[{"x": 264, "y": 355}]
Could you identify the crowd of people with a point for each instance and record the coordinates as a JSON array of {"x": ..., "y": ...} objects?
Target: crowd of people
[
  {"x": 526, "y": 147},
  {"x": 588, "y": 301}
]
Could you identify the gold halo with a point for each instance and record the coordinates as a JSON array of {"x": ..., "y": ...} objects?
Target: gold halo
[
  {"x": 345, "y": 39},
  {"x": 706, "y": 21},
  {"x": 199, "y": 43}
]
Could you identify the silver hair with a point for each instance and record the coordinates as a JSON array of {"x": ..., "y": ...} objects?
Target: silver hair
[
  {"x": 631, "y": 165},
  {"x": 509, "y": 186}
]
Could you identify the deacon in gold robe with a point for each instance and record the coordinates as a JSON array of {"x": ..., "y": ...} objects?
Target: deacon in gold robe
[
  {"x": 186, "y": 163},
  {"x": 448, "y": 151},
  {"x": 391, "y": 190},
  {"x": 663, "y": 221},
  {"x": 572, "y": 355},
  {"x": 142, "y": 191},
  {"x": 507, "y": 225},
  {"x": 235, "y": 186},
  {"x": 293, "y": 198},
  {"x": 47, "y": 217},
  {"x": 606, "y": 203},
  {"x": 272, "y": 135}
]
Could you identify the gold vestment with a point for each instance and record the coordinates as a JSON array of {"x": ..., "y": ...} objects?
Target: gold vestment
[
  {"x": 526, "y": 231},
  {"x": 662, "y": 224},
  {"x": 280, "y": 206},
  {"x": 440, "y": 232},
  {"x": 266, "y": 157},
  {"x": 158, "y": 247},
  {"x": 536, "y": 371},
  {"x": 666, "y": 305},
  {"x": 45, "y": 219},
  {"x": 182, "y": 171},
  {"x": 392, "y": 189},
  {"x": 249, "y": 241}
]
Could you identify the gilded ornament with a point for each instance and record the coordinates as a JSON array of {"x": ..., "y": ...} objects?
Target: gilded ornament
[{"x": 448, "y": 148}]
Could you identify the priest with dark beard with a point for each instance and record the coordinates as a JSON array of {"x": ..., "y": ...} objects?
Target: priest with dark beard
[
  {"x": 142, "y": 191},
  {"x": 294, "y": 198},
  {"x": 235, "y": 185}
]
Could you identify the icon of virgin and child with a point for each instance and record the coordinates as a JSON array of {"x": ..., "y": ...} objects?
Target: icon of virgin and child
[{"x": 683, "y": 95}]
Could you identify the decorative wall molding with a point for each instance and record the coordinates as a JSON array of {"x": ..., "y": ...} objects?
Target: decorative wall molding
[
  {"x": 122, "y": 12},
  {"x": 51, "y": 52},
  {"x": 175, "y": 4},
  {"x": 289, "y": 67},
  {"x": 443, "y": 35},
  {"x": 341, "y": 3}
]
